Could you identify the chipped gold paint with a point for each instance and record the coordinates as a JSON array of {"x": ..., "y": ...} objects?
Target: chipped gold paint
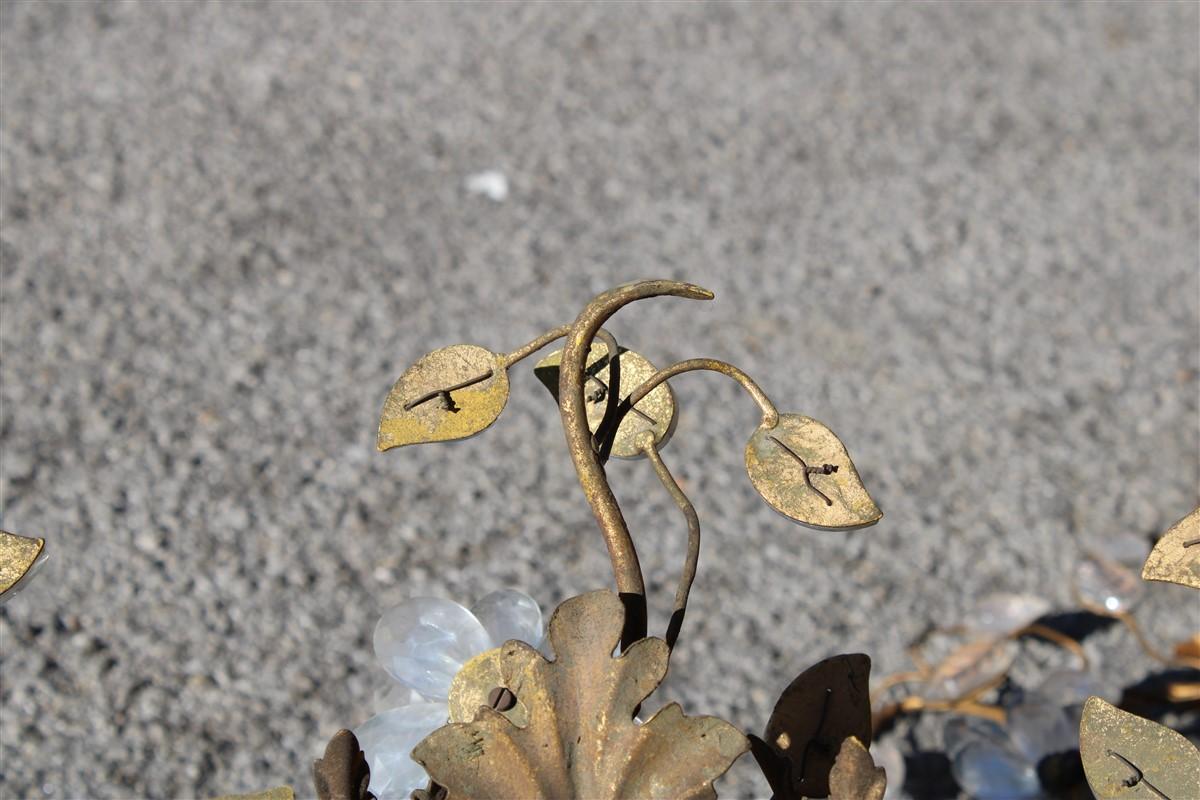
[
  {"x": 1176, "y": 556},
  {"x": 780, "y": 477},
  {"x": 1126, "y": 757},
  {"x": 854, "y": 775},
  {"x": 581, "y": 740},
  {"x": 478, "y": 405},
  {"x": 17, "y": 555},
  {"x": 654, "y": 413}
]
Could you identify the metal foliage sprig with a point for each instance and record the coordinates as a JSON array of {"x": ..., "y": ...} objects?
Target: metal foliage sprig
[{"x": 796, "y": 463}]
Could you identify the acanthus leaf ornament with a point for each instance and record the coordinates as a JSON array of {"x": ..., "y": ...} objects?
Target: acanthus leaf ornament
[
  {"x": 854, "y": 775},
  {"x": 580, "y": 739}
]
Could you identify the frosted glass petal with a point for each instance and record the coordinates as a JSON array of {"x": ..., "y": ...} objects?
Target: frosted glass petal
[
  {"x": 1069, "y": 687},
  {"x": 387, "y": 740},
  {"x": 425, "y": 641},
  {"x": 885, "y": 755},
  {"x": 963, "y": 732},
  {"x": 393, "y": 694},
  {"x": 1003, "y": 612},
  {"x": 1040, "y": 728},
  {"x": 991, "y": 773},
  {"x": 509, "y": 614}
]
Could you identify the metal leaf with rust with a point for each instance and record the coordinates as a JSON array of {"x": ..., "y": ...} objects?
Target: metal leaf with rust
[
  {"x": 654, "y": 413},
  {"x": 827, "y": 703},
  {"x": 18, "y": 554},
  {"x": 452, "y": 393},
  {"x": 1176, "y": 556},
  {"x": 804, "y": 472},
  {"x": 580, "y": 739},
  {"x": 854, "y": 775},
  {"x": 1126, "y": 757}
]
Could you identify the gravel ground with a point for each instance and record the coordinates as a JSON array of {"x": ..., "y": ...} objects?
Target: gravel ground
[{"x": 964, "y": 236}]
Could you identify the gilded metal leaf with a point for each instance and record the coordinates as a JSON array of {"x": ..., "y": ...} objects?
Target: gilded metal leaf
[
  {"x": 854, "y": 775},
  {"x": 1176, "y": 556},
  {"x": 18, "y": 554},
  {"x": 278, "y": 793},
  {"x": 580, "y": 739},
  {"x": 655, "y": 412},
  {"x": 342, "y": 773},
  {"x": 804, "y": 472},
  {"x": 452, "y": 393},
  {"x": 825, "y": 705},
  {"x": 1126, "y": 757}
]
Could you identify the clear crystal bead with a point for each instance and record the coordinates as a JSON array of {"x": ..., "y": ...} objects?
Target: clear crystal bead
[
  {"x": 1039, "y": 727},
  {"x": 971, "y": 666},
  {"x": 387, "y": 740},
  {"x": 425, "y": 641},
  {"x": 508, "y": 614},
  {"x": 986, "y": 772},
  {"x": 1102, "y": 583},
  {"x": 1003, "y": 612}
]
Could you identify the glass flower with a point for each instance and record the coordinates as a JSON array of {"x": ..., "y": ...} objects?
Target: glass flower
[
  {"x": 1032, "y": 753},
  {"x": 423, "y": 643}
]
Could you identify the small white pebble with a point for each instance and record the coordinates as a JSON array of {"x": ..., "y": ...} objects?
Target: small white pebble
[{"x": 491, "y": 183}]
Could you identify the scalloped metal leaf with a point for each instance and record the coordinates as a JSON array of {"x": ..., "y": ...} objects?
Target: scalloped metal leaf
[
  {"x": 803, "y": 471},
  {"x": 1126, "y": 757},
  {"x": 1176, "y": 556},
  {"x": 580, "y": 739},
  {"x": 452, "y": 393},
  {"x": 278, "y": 793},
  {"x": 654, "y": 413},
  {"x": 18, "y": 554},
  {"x": 854, "y": 775}
]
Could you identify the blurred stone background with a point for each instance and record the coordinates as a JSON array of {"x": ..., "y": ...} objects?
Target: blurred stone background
[{"x": 963, "y": 235}]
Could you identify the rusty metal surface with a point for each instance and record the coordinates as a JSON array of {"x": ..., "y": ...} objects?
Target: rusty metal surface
[
  {"x": 580, "y": 739},
  {"x": 1176, "y": 556},
  {"x": 1127, "y": 757}
]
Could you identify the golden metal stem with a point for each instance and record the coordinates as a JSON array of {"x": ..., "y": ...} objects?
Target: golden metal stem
[
  {"x": 537, "y": 344},
  {"x": 621, "y": 552},
  {"x": 693, "y": 547},
  {"x": 770, "y": 416}
]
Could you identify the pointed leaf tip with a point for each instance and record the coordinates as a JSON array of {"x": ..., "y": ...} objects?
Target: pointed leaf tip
[{"x": 803, "y": 471}]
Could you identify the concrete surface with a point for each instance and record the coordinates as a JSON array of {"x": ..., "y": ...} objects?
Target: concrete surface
[{"x": 964, "y": 236}]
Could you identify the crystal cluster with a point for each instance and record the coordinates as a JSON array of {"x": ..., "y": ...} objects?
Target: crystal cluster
[{"x": 423, "y": 643}]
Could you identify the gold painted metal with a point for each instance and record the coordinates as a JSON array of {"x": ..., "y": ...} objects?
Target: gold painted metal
[
  {"x": 1176, "y": 556},
  {"x": 692, "y": 559},
  {"x": 827, "y": 703},
  {"x": 573, "y": 409},
  {"x": 655, "y": 414},
  {"x": 278, "y": 793},
  {"x": 803, "y": 471},
  {"x": 854, "y": 775},
  {"x": 18, "y": 554},
  {"x": 581, "y": 739},
  {"x": 1126, "y": 757},
  {"x": 342, "y": 773},
  {"x": 452, "y": 393}
]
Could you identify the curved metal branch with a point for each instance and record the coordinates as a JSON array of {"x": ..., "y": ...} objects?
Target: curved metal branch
[
  {"x": 537, "y": 344},
  {"x": 621, "y": 552},
  {"x": 693, "y": 547},
  {"x": 770, "y": 416}
]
